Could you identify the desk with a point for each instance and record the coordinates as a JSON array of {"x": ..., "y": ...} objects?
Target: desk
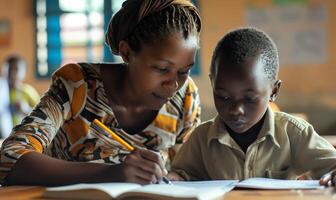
[
  {"x": 34, "y": 193},
  {"x": 281, "y": 194}
]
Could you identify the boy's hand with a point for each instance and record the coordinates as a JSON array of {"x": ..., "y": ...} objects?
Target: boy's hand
[
  {"x": 142, "y": 166},
  {"x": 173, "y": 176},
  {"x": 329, "y": 179}
]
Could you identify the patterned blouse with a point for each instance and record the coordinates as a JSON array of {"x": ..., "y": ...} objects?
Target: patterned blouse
[{"x": 59, "y": 125}]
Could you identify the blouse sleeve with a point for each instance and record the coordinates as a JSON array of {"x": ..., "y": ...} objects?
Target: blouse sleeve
[
  {"x": 38, "y": 129},
  {"x": 191, "y": 119},
  {"x": 192, "y": 112}
]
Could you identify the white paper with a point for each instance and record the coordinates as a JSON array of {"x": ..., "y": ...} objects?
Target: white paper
[{"x": 278, "y": 184}]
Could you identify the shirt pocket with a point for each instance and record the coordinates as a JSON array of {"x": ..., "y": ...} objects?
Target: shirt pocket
[{"x": 279, "y": 174}]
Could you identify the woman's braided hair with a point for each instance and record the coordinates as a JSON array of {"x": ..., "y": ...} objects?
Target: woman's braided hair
[{"x": 147, "y": 21}]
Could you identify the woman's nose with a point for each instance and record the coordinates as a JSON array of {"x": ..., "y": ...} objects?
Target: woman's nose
[{"x": 171, "y": 85}]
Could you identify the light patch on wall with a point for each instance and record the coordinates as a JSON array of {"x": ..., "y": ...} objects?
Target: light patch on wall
[
  {"x": 4, "y": 33},
  {"x": 298, "y": 30}
]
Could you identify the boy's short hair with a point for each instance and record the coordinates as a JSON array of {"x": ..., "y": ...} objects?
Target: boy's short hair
[{"x": 241, "y": 44}]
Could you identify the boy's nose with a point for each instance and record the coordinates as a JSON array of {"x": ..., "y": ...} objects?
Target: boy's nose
[{"x": 236, "y": 108}]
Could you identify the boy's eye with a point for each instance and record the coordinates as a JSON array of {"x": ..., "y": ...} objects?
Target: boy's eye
[
  {"x": 223, "y": 98},
  {"x": 250, "y": 99}
]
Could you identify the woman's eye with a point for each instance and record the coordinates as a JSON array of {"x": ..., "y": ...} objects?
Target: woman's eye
[
  {"x": 184, "y": 72},
  {"x": 161, "y": 69}
]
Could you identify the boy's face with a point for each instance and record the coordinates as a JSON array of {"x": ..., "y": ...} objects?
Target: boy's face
[
  {"x": 241, "y": 94},
  {"x": 13, "y": 74}
]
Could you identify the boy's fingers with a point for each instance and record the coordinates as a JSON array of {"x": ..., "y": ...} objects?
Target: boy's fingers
[
  {"x": 328, "y": 179},
  {"x": 333, "y": 179},
  {"x": 325, "y": 179}
]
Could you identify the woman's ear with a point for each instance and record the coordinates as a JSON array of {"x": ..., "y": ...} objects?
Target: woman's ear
[
  {"x": 275, "y": 90},
  {"x": 124, "y": 50}
]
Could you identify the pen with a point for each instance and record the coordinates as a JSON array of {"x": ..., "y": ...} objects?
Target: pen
[
  {"x": 99, "y": 126},
  {"x": 166, "y": 180}
]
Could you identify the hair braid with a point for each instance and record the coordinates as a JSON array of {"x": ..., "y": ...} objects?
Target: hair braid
[{"x": 154, "y": 20}]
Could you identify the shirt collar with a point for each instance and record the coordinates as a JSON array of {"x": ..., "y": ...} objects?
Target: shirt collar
[{"x": 218, "y": 131}]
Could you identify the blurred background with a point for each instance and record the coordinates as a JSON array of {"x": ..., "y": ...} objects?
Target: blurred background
[{"x": 49, "y": 33}]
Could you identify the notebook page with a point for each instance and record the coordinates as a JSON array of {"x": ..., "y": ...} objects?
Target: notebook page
[
  {"x": 176, "y": 191},
  {"x": 268, "y": 183},
  {"x": 223, "y": 184},
  {"x": 113, "y": 189}
]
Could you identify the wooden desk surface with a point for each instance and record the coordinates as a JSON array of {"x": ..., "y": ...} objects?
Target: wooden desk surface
[
  {"x": 35, "y": 193},
  {"x": 329, "y": 193}
]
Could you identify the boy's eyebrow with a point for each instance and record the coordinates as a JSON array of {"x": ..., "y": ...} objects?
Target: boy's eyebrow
[
  {"x": 250, "y": 90},
  {"x": 218, "y": 90}
]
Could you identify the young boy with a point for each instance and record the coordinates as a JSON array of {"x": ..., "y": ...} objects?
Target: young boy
[{"x": 247, "y": 139}]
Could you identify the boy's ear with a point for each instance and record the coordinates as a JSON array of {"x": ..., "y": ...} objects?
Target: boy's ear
[
  {"x": 210, "y": 77},
  {"x": 275, "y": 90},
  {"x": 124, "y": 50}
]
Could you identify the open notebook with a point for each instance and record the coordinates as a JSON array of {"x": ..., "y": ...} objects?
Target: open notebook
[
  {"x": 202, "y": 190},
  {"x": 193, "y": 190}
]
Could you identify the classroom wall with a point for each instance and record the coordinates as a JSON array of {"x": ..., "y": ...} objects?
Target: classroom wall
[
  {"x": 306, "y": 89},
  {"x": 22, "y": 40}
]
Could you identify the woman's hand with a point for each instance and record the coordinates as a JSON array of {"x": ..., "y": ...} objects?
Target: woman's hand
[
  {"x": 329, "y": 179},
  {"x": 142, "y": 166}
]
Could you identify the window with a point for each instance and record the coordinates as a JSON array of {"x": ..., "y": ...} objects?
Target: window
[{"x": 73, "y": 31}]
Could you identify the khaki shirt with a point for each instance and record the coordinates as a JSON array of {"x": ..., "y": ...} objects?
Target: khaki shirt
[{"x": 286, "y": 148}]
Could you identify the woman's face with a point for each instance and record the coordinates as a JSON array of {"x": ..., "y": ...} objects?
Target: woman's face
[{"x": 160, "y": 69}]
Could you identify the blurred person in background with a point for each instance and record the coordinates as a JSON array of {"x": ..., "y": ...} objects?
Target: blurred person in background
[
  {"x": 21, "y": 97},
  {"x": 5, "y": 116}
]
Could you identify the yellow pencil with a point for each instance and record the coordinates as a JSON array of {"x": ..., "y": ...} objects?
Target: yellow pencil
[
  {"x": 129, "y": 147},
  {"x": 113, "y": 135}
]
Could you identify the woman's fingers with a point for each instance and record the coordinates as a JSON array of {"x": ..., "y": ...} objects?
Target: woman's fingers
[
  {"x": 140, "y": 176},
  {"x": 146, "y": 164},
  {"x": 155, "y": 157}
]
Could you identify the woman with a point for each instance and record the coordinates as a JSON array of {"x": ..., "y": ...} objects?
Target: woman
[{"x": 149, "y": 100}]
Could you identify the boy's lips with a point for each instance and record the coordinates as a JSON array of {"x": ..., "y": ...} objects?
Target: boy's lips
[{"x": 236, "y": 123}]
